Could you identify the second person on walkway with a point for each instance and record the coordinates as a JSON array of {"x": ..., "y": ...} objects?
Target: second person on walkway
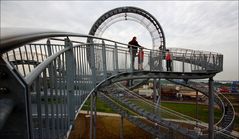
[
  {"x": 133, "y": 49},
  {"x": 168, "y": 61}
]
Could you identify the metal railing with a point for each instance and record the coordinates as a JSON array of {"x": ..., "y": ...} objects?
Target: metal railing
[{"x": 56, "y": 72}]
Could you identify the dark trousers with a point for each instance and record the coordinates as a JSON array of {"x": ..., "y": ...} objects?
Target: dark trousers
[
  {"x": 133, "y": 57},
  {"x": 168, "y": 65}
]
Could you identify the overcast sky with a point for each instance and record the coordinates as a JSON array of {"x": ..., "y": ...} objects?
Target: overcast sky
[{"x": 209, "y": 26}]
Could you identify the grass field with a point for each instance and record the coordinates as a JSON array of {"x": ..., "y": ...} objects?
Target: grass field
[{"x": 186, "y": 109}]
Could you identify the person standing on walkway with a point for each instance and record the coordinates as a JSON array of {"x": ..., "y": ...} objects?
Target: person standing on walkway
[
  {"x": 134, "y": 49},
  {"x": 168, "y": 61},
  {"x": 140, "y": 58}
]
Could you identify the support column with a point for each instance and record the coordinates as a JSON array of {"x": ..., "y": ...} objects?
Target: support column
[
  {"x": 93, "y": 115},
  {"x": 211, "y": 110},
  {"x": 155, "y": 90},
  {"x": 70, "y": 76},
  {"x": 159, "y": 92},
  {"x": 197, "y": 108}
]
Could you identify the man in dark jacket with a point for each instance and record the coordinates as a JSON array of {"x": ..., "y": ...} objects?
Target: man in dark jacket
[{"x": 134, "y": 49}]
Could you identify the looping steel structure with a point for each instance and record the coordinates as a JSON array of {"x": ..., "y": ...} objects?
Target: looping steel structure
[{"x": 134, "y": 14}]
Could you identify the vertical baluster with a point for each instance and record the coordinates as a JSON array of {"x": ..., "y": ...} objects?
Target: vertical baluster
[
  {"x": 64, "y": 93},
  {"x": 150, "y": 61},
  {"x": 39, "y": 110},
  {"x": 36, "y": 52},
  {"x": 29, "y": 69},
  {"x": 126, "y": 60},
  {"x": 23, "y": 67},
  {"x": 61, "y": 95},
  {"x": 15, "y": 59},
  {"x": 55, "y": 100},
  {"x": 183, "y": 63},
  {"x": 7, "y": 56},
  {"x": 211, "y": 110},
  {"x": 45, "y": 51},
  {"x": 116, "y": 59},
  {"x": 104, "y": 59},
  {"x": 45, "y": 90},
  {"x": 30, "y": 45},
  {"x": 51, "y": 83}
]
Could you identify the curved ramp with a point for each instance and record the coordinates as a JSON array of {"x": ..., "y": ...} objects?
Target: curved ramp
[
  {"x": 226, "y": 122},
  {"x": 135, "y": 119},
  {"x": 150, "y": 113}
]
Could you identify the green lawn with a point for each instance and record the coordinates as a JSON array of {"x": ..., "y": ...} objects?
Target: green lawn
[
  {"x": 100, "y": 106},
  {"x": 186, "y": 109},
  {"x": 190, "y": 110}
]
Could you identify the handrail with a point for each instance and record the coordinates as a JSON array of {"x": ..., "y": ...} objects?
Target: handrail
[
  {"x": 37, "y": 71},
  {"x": 234, "y": 113},
  {"x": 167, "y": 109},
  {"x": 11, "y": 41}
]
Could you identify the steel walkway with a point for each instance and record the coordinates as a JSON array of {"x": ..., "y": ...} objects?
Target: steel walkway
[{"x": 56, "y": 76}]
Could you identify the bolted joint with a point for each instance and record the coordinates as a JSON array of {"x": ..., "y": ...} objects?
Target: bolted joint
[{"x": 4, "y": 90}]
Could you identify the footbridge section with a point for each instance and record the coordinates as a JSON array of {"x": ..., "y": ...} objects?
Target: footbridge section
[{"x": 45, "y": 96}]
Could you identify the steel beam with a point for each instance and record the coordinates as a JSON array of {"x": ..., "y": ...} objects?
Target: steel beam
[{"x": 211, "y": 110}]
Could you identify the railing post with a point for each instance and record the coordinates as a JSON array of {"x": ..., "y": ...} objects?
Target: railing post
[
  {"x": 214, "y": 61},
  {"x": 160, "y": 60},
  {"x": 70, "y": 78},
  {"x": 221, "y": 62},
  {"x": 48, "y": 44},
  {"x": 93, "y": 69},
  {"x": 51, "y": 82},
  {"x": 14, "y": 94},
  {"x": 205, "y": 61},
  {"x": 150, "y": 60},
  {"x": 104, "y": 59},
  {"x": 208, "y": 62},
  {"x": 172, "y": 61},
  {"x": 116, "y": 59},
  {"x": 183, "y": 63},
  {"x": 191, "y": 61},
  {"x": 131, "y": 59},
  {"x": 126, "y": 60},
  {"x": 211, "y": 110}
]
